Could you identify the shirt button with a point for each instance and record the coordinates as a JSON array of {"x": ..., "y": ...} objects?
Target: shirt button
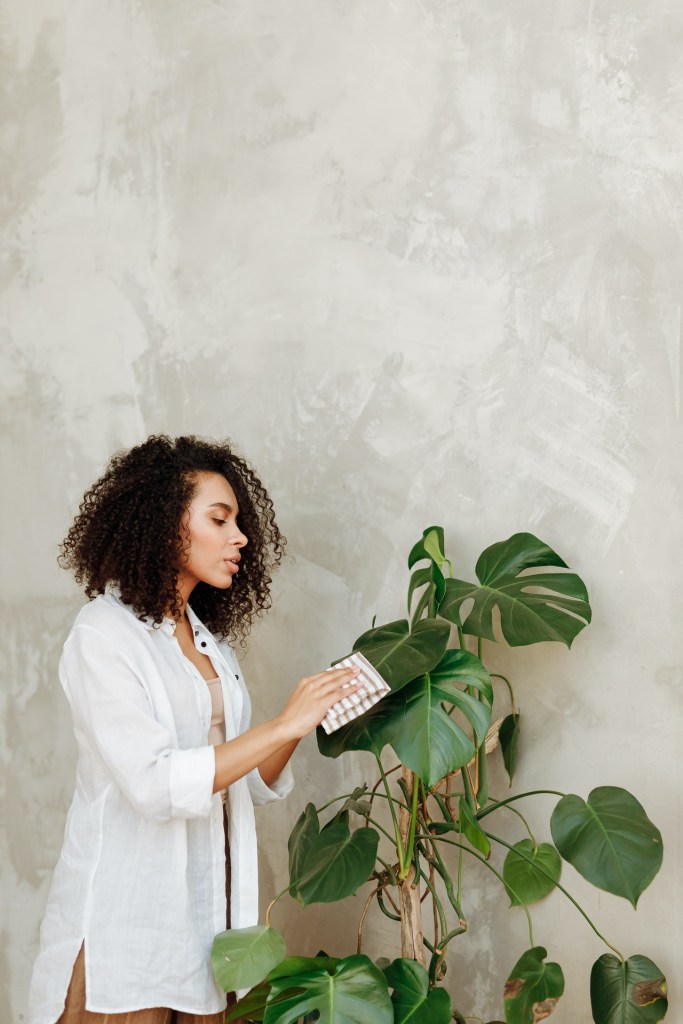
[
  {"x": 203, "y": 643},
  {"x": 196, "y": 632}
]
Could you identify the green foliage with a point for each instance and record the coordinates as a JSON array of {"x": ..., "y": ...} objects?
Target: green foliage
[
  {"x": 252, "y": 1006},
  {"x": 353, "y": 990},
  {"x": 531, "y": 873},
  {"x": 413, "y": 1000},
  {"x": 243, "y": 957},
  {"x": 558, "y": 612},
  {"x": 632, "y": 992},
  {"x": 423, "y": 734},
  {"x": 533, "y": 988},
  {"x": 306, "y": 829},
  {"x": 609, "y": 839},
  {"x": 508, "y": 738},
  {"x": 472, "y": 829},
  {"x": 400, "y": 654},
  {"x": 437, "y": 719},
  {"x": 413, "y": 720},
  {"x": 338, "y": 861}
]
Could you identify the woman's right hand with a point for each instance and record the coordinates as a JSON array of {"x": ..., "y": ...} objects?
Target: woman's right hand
[{"x": 313, "y": 698}]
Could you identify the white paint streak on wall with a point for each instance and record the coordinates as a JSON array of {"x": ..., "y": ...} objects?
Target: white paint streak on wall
[{"x": 423, "y": 262}]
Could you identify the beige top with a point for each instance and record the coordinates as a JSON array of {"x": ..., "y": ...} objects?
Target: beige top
[{"x": 217, "y": 727}]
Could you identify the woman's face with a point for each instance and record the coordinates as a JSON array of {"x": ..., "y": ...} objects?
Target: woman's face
[{"x": 215, "y": 538}]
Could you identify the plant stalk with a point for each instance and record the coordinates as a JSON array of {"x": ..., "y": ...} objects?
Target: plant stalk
[
  {"x": 412, "y": 938},
  {"x": 397, "y": 831}
]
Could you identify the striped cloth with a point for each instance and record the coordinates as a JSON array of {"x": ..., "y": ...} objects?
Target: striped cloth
[{"x": 353, "y": 706}]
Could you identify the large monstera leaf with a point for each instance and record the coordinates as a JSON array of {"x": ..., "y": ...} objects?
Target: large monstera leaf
[
  {"x": 351, "y": 991},
  {"x": 424, "y": 736},
  {"x": 400, "y": 656},
  {"x": 413, "y": 721},
  {"x": 533, "y": 607}
]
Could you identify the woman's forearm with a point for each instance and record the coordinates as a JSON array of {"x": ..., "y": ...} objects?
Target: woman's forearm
[
  {"x": 262, "y": 747},
  {"x": 273, "y": 765},
  {"x": 268, "y": 747}
]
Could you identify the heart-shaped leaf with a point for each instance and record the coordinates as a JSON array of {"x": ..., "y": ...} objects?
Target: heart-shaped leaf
[
  {"x": 414, "y": 1002},
  {"x": 355, "y": 991},
  {"x": 242, "y": 957},
  {"x": 400, "y": 654},
  {"x": 530, "y": 873},
  {"x": 337, "y": 863},
  {"x": 533, "y": 988},
  {"x": 634, "y": 992},
  {"x": 533, "y": 608},
  {"x": 426, "y": 739},
  {"x": 609, "y": 839},
  {"x": 306, "y": 829}
]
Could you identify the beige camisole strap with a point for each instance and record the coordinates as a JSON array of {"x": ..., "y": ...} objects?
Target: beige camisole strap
[{"x": 217, "y": 727}]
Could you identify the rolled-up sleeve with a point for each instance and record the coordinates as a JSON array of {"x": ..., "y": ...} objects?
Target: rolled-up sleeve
[
  {"x": 262, "y": 793},
  {"x": 112, "y": 710}
]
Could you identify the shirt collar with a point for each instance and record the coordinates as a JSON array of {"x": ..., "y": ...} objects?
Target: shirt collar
[{"x": 168, "y": 624}]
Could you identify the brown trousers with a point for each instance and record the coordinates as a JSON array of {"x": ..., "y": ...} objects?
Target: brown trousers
[{"x": 76, "y": 1013}]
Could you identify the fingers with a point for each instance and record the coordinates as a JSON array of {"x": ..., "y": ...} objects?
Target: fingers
[
  {"x": 337, "y": 675},
  {"x": 343, "y": 675},
  {"x": 337, "y": 682}
]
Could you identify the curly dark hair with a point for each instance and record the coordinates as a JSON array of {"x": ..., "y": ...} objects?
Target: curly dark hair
[{"x": 127, "y": 533}]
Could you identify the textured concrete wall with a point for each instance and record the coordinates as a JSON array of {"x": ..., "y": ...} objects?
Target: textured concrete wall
[{"x": 422, "y": 261}]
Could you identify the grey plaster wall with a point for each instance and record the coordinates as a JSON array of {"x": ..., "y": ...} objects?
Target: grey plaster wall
[{"x": 421, "y": 260}]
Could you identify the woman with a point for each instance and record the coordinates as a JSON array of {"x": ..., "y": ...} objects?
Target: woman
[{"x": 161, "y": 825}]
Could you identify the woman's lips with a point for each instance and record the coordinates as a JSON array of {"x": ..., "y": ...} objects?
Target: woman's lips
[{"x": 232, "y": 566}]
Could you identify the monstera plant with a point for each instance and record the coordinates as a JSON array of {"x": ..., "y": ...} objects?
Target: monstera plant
[{"x": 439, "y": 814}]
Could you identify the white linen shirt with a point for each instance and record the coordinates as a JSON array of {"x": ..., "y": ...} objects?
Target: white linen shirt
[{"x": 141, "y": 874}]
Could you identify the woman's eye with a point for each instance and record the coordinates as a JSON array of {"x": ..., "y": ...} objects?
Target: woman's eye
[{"x": 221, "y": 521}]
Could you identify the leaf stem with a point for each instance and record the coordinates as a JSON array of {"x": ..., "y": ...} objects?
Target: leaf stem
[
  {"x": 411, "y": 831},
  {"x": 526, "y": 825},
  {"x": 345, "y": 796},
  {"x": 447, "y": 880},
  {"x": 387, "y": 913},
  {"x": 389, "y": 870},
  {"x": 397, "y": 834},
  {"x": 363, "y": 916},
  {"x": 467, "y": 786},
  {"x": 513, "y": 702},
  {"x": 502, "y": 803},
  {"x": 274, "y": 901},
  {"x": 437, "y": 903},
  {"x": 508, "y": 888},
  {"x": 542, "y": 871}
]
